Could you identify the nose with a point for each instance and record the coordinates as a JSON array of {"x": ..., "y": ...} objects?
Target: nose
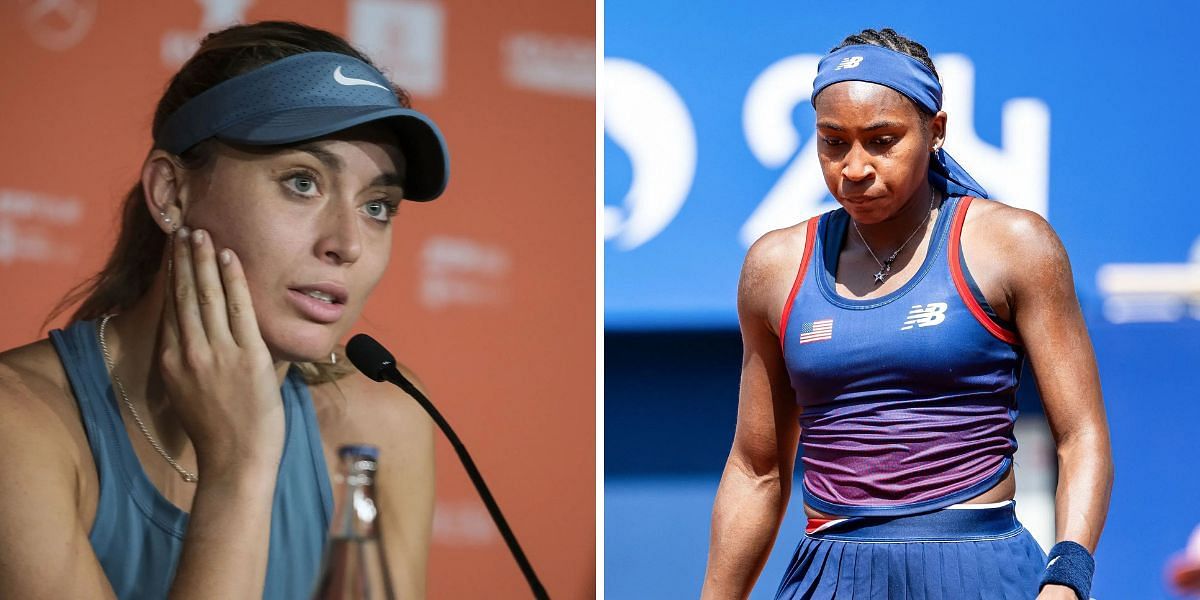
[
  {"x": 340, "y": 240},
  {"x": 857, "y": 166}
]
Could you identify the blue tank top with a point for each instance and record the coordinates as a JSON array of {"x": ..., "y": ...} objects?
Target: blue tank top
[
  {"x": 908, "y": 400},
  {"x": 138, "y": 534}
]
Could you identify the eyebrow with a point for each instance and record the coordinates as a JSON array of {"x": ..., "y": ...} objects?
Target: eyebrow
[
  {"x": 327, "y": 158},
  {"x": 334, "y": 162},
  {"x": 388, "y": 180},
  {"x": 871, "y": 127}
]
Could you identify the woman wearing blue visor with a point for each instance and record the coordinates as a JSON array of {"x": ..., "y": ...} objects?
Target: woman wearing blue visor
[
  {"x": 884, "y": 340},
  {"x": 175, "y": 439}
]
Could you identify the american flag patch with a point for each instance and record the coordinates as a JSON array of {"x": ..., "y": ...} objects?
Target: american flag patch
[{"x": 815, "y": 331}]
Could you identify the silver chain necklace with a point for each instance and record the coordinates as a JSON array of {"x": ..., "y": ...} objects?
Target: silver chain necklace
[
  {"x": 187, "y": 475},
  {"x": 885, "y": 267}
]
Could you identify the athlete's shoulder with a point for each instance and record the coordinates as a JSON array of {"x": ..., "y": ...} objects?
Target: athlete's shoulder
[
  {"x": 1008, "y": 223},
  {"x": 770, "y": 269},
  {"x": 359, "y": 406},
  {"x": 1022, "y": 240},
  {"x": 37, "y": 409},
  {"x": 776, "y": 249},
  {"x": 34, "y": 370}
]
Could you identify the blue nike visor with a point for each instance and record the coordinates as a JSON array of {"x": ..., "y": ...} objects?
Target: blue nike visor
[{"x": 308, "y": 96}]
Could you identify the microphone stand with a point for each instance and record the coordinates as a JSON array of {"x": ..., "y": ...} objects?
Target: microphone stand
[{"x": 392, "y": 374}]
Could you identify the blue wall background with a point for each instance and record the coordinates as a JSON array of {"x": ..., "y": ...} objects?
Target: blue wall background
[{"x": 1119, "y": 82}]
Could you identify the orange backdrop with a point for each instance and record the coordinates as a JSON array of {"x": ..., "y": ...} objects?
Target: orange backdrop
[{"x": 491, "y": 294}]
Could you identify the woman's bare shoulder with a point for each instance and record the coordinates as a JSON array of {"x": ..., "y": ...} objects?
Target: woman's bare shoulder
[
  {"x": 36, "y": 401},
  {"x": 357, "y": 409},
  {"x": 1021, "y": 236},
  {"x": 32, "y": 378}
]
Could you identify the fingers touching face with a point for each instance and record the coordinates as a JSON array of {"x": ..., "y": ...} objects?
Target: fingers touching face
[{"x": 311, "y": 227}]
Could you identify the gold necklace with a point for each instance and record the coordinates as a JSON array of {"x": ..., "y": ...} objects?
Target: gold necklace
[
  {"x": 187, "y": 475},
  {"x": 885, "y": 267}
]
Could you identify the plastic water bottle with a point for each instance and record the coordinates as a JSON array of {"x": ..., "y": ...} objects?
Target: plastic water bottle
[{"x": 355, "y": 567}]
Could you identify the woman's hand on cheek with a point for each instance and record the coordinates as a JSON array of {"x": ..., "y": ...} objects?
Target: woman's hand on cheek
[{"x": 219, "y": 375}]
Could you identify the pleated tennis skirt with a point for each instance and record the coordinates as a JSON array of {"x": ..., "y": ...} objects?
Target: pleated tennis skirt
[{"x": 950, "y": 554}]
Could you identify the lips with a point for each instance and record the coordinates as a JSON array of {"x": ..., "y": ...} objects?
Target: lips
[
  {"x": 323, "y": 302},
  {"x": 858, "y": 199}
]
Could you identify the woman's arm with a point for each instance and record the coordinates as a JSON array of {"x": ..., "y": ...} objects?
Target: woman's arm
[
  {"x": 44, "y": 547},
  {"x": 1051, "y": 325},
  {"x": 756, "y": 484}
]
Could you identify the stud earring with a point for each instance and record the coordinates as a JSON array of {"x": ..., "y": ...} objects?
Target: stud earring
[{"x": 332, "y": 358}]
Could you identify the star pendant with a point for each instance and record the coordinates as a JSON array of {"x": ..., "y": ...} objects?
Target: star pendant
[{"x": 879, "y": 277}]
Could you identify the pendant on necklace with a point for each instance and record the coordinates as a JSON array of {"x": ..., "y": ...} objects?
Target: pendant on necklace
[{"x": 884, "y": 270}]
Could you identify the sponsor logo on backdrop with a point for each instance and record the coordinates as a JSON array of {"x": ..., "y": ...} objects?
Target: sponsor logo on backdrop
[
  {"x": 651, "y": 124},
  {"x": 461, "y": 271},
  {"x": 31, "y": 226},
  {"x": 556, "y": 64},
  {"x": 463, "y": 523},
  {"x": 59, "y": 24},
  {"x": 1151, "y": 292},
  {"x": 647, "y": 119},
  {"x": 405, "y": 39},
  {"x": 178, "y": 45}
]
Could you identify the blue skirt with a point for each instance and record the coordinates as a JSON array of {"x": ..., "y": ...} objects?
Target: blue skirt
[{"x": 983, "y": 554}]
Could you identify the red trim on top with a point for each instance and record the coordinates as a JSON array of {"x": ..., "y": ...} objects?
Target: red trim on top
[
  {"x": 810, "y": 237},
  {"x": 960, "y": 281}
]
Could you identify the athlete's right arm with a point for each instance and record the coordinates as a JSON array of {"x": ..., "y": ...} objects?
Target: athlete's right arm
[
  {"x": 44, "y": 548},
  {"x": 756, "y": 484}
]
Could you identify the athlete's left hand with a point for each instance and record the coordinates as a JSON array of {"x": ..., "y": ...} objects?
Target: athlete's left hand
[{"x": 1057, "y": 592}]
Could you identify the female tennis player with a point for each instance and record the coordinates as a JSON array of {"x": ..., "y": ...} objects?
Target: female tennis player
[
  {"x": 175, "y": 438},
  {"x": 885, "y": 339}
]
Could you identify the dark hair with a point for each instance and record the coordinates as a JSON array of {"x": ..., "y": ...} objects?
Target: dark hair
[{"x": 137, "y": 255}]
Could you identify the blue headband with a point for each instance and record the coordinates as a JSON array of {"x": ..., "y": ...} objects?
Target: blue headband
[
  {"x": 308, "y": 96},
  {"x": 905, "y": 74}
]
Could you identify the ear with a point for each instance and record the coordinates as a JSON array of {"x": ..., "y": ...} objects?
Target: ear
[
  {"x": 937, "y": 131},
  {"x": 162, "y": 187}
]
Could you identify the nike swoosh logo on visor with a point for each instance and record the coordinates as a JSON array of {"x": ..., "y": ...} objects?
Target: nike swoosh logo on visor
[{"x": 342, "y": 79}]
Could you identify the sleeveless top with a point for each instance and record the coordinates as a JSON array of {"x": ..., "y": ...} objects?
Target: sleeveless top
[
  {"x": 908, "y": 400},
  {"x": 138, "y": 534}
]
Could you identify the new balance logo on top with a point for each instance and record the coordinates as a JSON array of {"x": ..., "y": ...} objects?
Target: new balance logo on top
[
  {"x": 848, "y": 63},
  {"x": 925, "y": 316}
]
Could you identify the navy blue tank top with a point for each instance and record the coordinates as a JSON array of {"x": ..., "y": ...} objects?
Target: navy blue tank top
[
  {"x": 908, "y": 400},
  {"x": 138, "y": 534}
]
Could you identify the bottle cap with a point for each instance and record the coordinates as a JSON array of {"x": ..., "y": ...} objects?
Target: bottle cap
[{"x": 363, "y": 450}]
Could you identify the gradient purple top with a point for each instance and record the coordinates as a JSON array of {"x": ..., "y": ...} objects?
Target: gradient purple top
[{"x": 908, "y": 400}]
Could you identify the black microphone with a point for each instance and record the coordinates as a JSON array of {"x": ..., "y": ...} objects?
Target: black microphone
[{"x": 370, "y": 357}]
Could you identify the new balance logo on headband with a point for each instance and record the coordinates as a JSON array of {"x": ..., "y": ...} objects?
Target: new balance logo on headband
[
  {"x": 848, "y": 63},
  {"x": 342, "y": 79}
]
